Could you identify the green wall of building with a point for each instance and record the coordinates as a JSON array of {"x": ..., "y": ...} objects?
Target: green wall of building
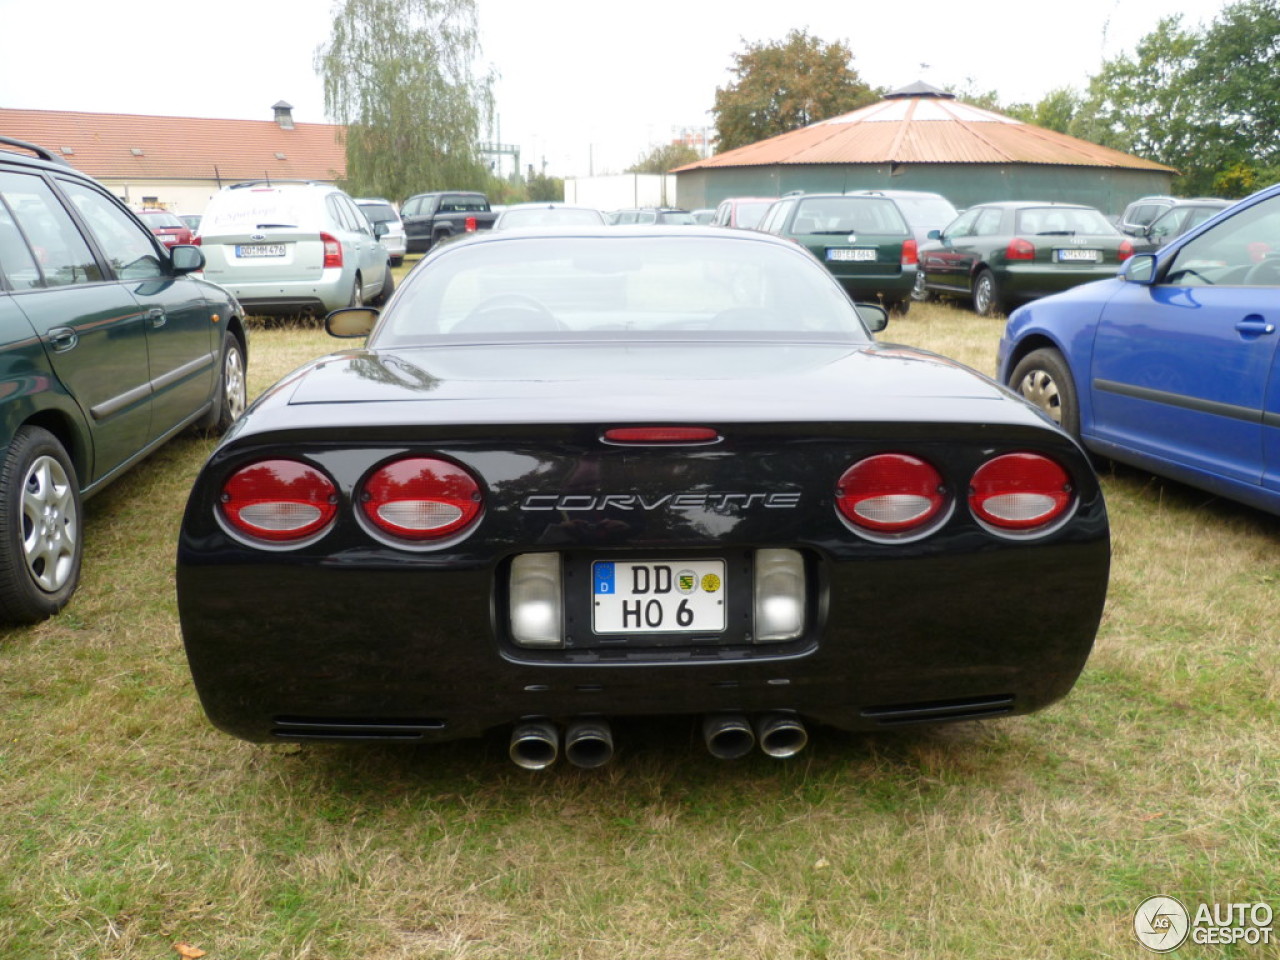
[{"x": 1109, "y": 189}]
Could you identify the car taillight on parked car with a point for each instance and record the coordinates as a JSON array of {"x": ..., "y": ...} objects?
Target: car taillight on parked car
[
  {"x": 1126, "y": 250},
  {"x": 890, "y": 493},
  {"x": 1020, "y": 492},
  {"x": 420, "y": 499},
  {"x": 332, "y": 251},
  {"x": 910, "y": 252},
  {"x": 279, "y": 501},
  {"x": 1020, "y": 248},
  {"x": 470, "y": 225}
]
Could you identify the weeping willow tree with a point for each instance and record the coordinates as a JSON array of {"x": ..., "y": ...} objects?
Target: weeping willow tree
[{"x": 400, "y": 76}]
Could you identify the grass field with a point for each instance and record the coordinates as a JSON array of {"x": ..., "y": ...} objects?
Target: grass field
[{"x": 129, "y": 828}]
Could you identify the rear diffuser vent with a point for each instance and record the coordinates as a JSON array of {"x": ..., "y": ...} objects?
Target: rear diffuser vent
[
  {"x": 328, "y": 728},
  {"x": 939, "y": 711}
]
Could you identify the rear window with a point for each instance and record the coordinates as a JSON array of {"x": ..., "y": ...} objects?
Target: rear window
[
  {"x": 1042, "y": 221},
  {"x": 552, "y": 288},
  {"x": 836, "y": 215},
  {"x": 154, "y": 219},
  {"x": 260, "y": 208}
]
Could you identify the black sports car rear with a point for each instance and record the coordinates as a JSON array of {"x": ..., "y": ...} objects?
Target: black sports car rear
[{"x": 588, "y": 475}]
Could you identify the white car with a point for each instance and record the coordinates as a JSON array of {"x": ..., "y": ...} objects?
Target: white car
[
  {"x": 380, "y": 211},
  {"x": 290, "y": 248}
]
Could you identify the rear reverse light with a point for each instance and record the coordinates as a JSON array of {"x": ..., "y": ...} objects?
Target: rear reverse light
[
  {"x": 420, "y": 499},
  {"x": 279, "y": 501},
  {"x": 1126, "y": 250},
  {"x": 332, "y": 251},
  {"x": 470, "y": 225},
  {"x": 661, "y": 435},
  {"x": 1020, "y": 249},
  {"x": 891, "y": 493},
  {"x": 535, "y": 600},
  {"x": 1020, "y": 492},
  {"x": 910, "y": 252}
]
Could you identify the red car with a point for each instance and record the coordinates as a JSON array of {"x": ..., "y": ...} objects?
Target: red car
[{"x": 167, "y": 226}]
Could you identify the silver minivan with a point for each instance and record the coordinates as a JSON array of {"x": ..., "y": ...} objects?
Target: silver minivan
[
  {"x": 284, "y": 248},
  {"x": 380, "y": 211}
]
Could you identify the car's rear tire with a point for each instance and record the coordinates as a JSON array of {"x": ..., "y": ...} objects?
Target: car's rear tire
[
  {"x": 987, "y": 298},
  {"x": 1043, "y": 378},
  {"x": 919, "y": 292},
  {"x": 40, "y": 527},
  {"x": 898, "y": 308},
  {"x": 232, "y": 396}
]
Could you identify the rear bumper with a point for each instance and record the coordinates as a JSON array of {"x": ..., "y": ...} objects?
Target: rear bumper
[{"x": 282, "y": 648}]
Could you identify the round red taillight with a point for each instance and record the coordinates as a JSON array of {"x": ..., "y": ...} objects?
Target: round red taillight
[
  {"x": 1020, "y": 491},
  {"x": 891, "y": 493},
  {"x": 279, "y": 500},
  {"x": 420, "y": 498}
]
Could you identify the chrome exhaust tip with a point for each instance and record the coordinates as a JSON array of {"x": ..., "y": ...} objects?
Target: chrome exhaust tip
[
  {"x": 781, "y": 734},
  {"x": 728, "y": 735},
  {"x": 588, "y": 743},
  {"x": 535, "y": 744}
]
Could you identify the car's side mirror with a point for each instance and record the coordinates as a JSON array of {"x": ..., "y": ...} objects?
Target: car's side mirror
[
  {"x": 935, "y": 234},
  {"x": 351, "y": 322},
  {"x": 1140, "y": 268},
  {"x": 873, "y": 315},
  {"x": 186, "y": 258}
]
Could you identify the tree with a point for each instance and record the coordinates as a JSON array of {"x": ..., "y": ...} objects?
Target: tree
[
  {"x": 662, "y": 159},
  {"x": 542, "y": 188},
  {"x": 786, "y": 85},
  {"x": 1202, "y": 102},
  {"x": 398, "y": 74}
]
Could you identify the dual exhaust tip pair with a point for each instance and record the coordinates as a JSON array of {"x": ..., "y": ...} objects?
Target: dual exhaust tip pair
[{"x": 588, "y": 742}]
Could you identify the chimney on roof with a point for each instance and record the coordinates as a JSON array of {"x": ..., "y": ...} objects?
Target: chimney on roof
[{"x": 284, "y": 115}]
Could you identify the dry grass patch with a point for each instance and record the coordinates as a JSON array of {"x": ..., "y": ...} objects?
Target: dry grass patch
[{"x": 131, "y": 825}]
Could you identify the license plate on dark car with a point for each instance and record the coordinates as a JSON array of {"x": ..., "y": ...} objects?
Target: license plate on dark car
[
  {"x": 1079, "y": 256},
  {"x": 657, "y": 596},
  {"x": 860, "y": 254}
]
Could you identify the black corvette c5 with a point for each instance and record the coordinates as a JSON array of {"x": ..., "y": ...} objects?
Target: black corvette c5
[{"x": 616, "y": 472}]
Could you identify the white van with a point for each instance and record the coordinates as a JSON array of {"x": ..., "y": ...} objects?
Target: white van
[{"x": 286, "y": 248}]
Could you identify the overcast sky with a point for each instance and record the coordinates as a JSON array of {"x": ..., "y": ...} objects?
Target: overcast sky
[{"x": 584, "y": 86}]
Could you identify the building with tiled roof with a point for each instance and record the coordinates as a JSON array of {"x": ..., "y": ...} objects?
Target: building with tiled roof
[
  {"x": 922, "y": 138},
  {"x": 178, "y": 163}
]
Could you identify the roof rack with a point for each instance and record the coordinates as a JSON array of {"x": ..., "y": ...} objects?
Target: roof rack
[{"x": 40, "y": 152}]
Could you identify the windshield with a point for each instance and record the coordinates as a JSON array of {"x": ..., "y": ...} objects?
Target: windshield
[
  {"x": 618, "y": 287},
  {"x": 931, "y": 212},
  {"x": 844, "y": 215},
  {"x": 166, "y": 220}
]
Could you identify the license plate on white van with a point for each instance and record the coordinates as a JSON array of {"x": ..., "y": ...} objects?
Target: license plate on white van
[{"x": 254, "y": 250}]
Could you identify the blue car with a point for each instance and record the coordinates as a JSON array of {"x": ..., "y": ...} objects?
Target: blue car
[{"x": 1170, "y": 366}]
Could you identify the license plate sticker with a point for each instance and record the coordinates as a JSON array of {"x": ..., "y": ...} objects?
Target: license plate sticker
[
  {"x": 252, "y": 250},
  {"x": 658, "y": 596},
  {"x": 855, "y": 254},
  {"x": 1079, "y": 256}
]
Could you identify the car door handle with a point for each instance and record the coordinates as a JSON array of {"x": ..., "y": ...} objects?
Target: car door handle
[
  {"x": 157, "y": 317},
  {"x": 62, "y": 339},
  {"x": 1255, "y": 328}
]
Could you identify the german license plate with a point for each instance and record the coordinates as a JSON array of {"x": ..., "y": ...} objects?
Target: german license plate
[
  {"x": 260, "y": 250},
  {"x": 1079, "y": 256},
  {"x": 858, "y": 254},
  {"x": 658, "y": 596}
]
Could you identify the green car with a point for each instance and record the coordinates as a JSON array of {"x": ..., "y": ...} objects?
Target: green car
[
  {"x": 862, "y": 239},
  {"x": 108, "y": 347},
  {"x": 1002, "y": 254}
]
